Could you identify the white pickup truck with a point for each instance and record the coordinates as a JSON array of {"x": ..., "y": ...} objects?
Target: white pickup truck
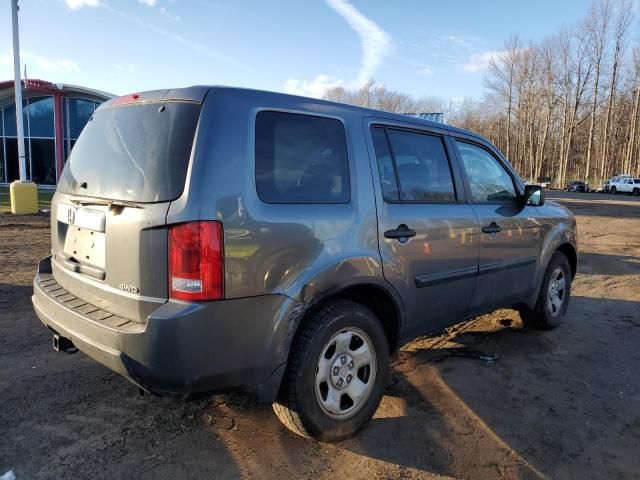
[{"x": 628, "y": 185}]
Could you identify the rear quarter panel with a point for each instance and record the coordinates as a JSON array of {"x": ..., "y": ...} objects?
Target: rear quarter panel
[{"x": 295, "y": 250}]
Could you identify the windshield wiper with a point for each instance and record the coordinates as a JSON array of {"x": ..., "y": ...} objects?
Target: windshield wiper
[{"x": 109, "y": 202}]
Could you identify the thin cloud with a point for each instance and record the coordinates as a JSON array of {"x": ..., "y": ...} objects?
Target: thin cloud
[
  {"x": 458, "y": 40},
  {"x": 176, "y": 37},
  {"x": 165, "y": 13},
  {"x": 42, "y": 63},
  {"x": 427, "y": 72},
  {"x": 376, "y": 43},
  {"x": 185, "y": 42},
  {"x": 479, "y": 62},
  {"x": 314, "y": 88},
  {"x": 126, "y": 67},
  {"x": 76, "y": 4}
]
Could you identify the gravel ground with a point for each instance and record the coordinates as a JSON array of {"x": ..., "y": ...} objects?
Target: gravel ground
[{"x": 560, "y": 404}]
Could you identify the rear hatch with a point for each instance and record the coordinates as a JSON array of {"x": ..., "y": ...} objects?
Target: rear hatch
[{"x": 108, "y": 216}]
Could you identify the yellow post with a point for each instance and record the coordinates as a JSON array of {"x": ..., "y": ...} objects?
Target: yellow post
[{"x": 24, "y": 197}]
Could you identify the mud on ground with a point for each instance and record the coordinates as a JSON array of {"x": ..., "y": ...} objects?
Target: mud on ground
[{"x": 488, "y": 399}]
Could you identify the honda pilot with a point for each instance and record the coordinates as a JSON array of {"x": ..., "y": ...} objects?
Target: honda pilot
[{"x": 210, "y": 239}]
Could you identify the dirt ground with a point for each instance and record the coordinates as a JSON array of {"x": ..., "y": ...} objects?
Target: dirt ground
[{"x": 560, "y": 404}]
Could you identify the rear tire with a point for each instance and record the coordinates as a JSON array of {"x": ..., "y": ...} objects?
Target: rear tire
[
  {"x": 636, "y": 192},
  {"x": 553, "y": 297},
  {"x": 332, "y": 386}
]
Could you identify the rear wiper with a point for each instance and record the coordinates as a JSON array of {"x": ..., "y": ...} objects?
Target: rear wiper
[{"x": 109, "y": 202}]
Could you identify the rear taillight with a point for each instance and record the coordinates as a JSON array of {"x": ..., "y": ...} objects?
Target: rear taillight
[{"x": 196, "y": 261}]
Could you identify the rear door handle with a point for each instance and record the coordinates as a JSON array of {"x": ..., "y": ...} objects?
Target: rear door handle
[
  {"x": 493, "y": 227},
  {"x": 401, "y": 233}
]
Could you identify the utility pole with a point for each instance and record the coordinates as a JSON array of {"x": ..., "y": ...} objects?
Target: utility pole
[
  {"x": 18, "y": 89},
  {"x": 24, "y": 195}
]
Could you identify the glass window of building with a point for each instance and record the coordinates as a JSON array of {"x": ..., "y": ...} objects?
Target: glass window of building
[
  {"x": 77, "y": 112},
  {"x": 39, "y": 131},
  {"x": 41, "y": 119}
]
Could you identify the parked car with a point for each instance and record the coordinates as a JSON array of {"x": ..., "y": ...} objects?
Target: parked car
[
  {"x": 577, "y": 187},
  {"x": 211, "y": 238},
  {"x": 616, "y": 183},
  {"x": 630, "y": 186},
  {"x": 605, "y": 186},
  {"x": 544, "y": 181}
]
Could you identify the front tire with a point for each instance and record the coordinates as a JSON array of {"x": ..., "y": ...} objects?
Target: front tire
[
  {"x": 336, "y": 373},
  {"x": 553, "y": 297},
  {"x": 613, "y": 190}
]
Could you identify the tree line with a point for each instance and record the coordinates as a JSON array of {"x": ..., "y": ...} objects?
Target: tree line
[{"x": 565, "y": 107}]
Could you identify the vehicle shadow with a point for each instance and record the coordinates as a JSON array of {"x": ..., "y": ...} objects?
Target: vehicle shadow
[
  {"x": 66, "y": 416},
  {"x": 421, "y": 427},
  {"x": 436, "y": 431},
  {"x": 608, "y": 264},
  {"x": 517, "y": 403},
  {"x": 489, "y": 399}
]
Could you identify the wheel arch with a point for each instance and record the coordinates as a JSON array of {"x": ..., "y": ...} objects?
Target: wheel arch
[
  {"x": 572, "y": 255},
  {"x": 560, "y": 238},
  {"x": 369, "y": 292},
  {"x": 377, "y": 298}
]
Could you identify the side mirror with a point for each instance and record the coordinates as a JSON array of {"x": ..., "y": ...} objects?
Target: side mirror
[{"x": 533, "y": 195}]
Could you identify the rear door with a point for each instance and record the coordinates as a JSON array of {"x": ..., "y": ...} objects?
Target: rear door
[
  {"x": 509, "y": 230},
  {"x": 428, "y": 234},
  {"x": 109, "y": 239}
]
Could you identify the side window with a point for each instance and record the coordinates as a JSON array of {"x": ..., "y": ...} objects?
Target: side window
[
  {"x": 422, "y": 165},
  {"x": 488, "y": 179},
  {"x": 385, "y": 165},
  {"x": 301, "y": 159}
]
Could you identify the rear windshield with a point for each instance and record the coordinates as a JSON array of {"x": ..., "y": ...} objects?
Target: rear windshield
[{"x": 136, "y": 152}]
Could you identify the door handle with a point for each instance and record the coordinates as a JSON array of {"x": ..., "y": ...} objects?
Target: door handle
[
  {"x": 401, "y": 233},
  {"x": 493, "y": 227}
]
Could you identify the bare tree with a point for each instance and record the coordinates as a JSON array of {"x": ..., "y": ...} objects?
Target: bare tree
[
  {"x": 623, "y": 21},
  {"x": 502, "y": 71},
  {"x": 596, "y": 26},
  {"x": 566, "y": 106}
]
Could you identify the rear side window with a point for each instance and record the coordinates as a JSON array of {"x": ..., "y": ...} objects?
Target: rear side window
[
  {"x": 301, "y": 159},
  {"x": 422, "y": 167},
  {"x": 388, "y": 178},
  {"x": 136, "y": 152}
]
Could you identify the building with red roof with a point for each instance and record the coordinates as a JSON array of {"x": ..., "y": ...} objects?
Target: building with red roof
[{"x": 54, "y": 115}]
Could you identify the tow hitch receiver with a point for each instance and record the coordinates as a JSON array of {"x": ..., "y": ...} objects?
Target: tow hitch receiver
[{"x": 63, "y": 344}]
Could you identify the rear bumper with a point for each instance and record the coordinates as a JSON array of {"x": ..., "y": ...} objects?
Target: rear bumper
[{"x": 184, "y": 348}]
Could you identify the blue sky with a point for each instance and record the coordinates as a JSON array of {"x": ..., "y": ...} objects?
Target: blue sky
[{"x": 420, "y": 47}]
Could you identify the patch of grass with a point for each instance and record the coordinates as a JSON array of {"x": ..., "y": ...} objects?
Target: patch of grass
[{"x": 44, "y": 199}]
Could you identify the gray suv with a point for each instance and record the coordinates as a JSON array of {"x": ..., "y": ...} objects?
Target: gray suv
[{"x": 211, "y": 239}]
